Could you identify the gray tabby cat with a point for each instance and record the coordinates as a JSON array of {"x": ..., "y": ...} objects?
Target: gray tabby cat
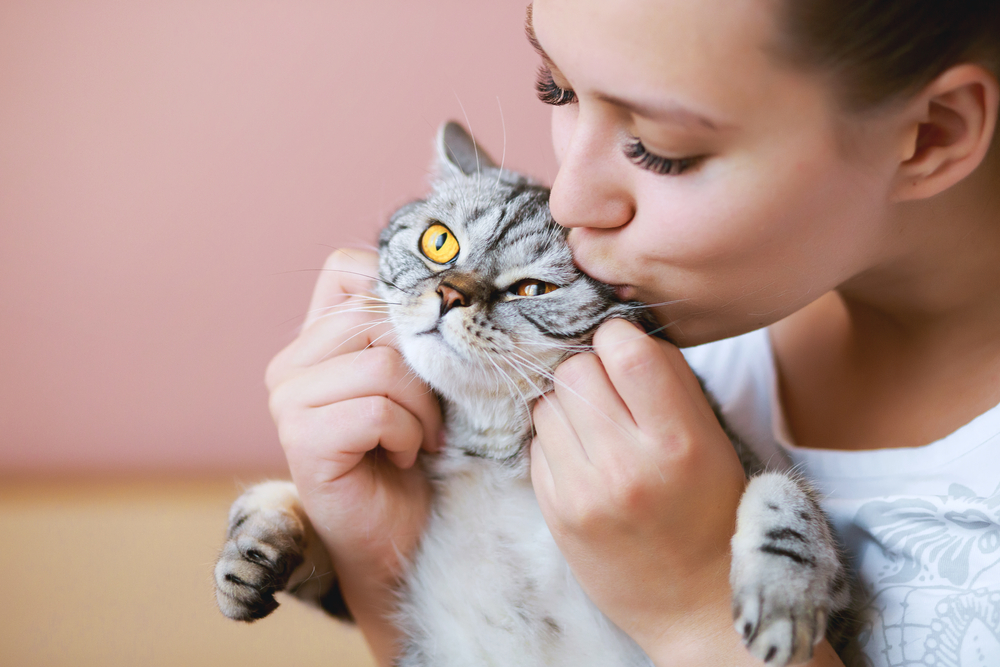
[{"x": 486, "y": 302}]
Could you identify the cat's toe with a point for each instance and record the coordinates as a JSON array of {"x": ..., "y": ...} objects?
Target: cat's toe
[
  {"x": 786, "y": 572},
  {"x": 778, "y": 629},
  {"x": 256, "y": 561},
  {"x": 746, "y": 617}
]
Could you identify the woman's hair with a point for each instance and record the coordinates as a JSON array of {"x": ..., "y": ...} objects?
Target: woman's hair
[{"x": 881, "y": 50}]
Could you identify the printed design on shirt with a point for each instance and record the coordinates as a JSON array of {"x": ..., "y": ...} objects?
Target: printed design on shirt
[
  {"x": 966, "y": 631},
  {"x": 933, "y": 537},
  {"x": 935, "y": 581}
]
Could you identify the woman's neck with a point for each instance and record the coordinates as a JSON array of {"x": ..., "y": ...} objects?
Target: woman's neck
[{"x": 909, "y": 350}]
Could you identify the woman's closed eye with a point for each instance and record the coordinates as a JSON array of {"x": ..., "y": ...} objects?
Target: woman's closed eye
[
  {"x": 640, "y": 156},
  {"x": 549, "y": 92}
]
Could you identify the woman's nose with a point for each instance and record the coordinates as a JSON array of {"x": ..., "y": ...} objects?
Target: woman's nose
[{"x": 591, "y": 189}]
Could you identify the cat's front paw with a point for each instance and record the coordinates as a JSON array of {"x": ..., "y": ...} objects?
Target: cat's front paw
[
  {"x": 264, "y": 545},
  {"x": 787, "y": 577},
  {"x": 779, "y": 627}
]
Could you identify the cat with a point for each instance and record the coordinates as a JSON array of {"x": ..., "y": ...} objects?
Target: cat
[{"x": 486, "y": 301}]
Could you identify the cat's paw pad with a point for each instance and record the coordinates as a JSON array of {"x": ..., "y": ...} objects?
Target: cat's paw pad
[
  {"x": 262, "y": 550},
  {"x": 778, "y": 628}
]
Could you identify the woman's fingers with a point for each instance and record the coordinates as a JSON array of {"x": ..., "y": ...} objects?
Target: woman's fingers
[
  {"x": 556, "y": 436},
  {"x": 374, "y": 372},
  {"x": 334, "y": 438},
  {"x": 643, "y": 374},
  {"x": 354, "y": 325},
  {"x": 592, "y": 405},
  {"x": 343, "y": 316},
  {"x": 346, "y": 272}
]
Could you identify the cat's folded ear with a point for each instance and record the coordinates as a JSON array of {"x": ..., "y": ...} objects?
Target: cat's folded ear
[{"x": 458, "y": 154}]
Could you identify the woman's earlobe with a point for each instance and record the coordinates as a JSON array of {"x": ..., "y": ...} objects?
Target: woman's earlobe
[{"x": 954, "y": 120}]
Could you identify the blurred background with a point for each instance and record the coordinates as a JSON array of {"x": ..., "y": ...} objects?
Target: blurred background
[{"x": 173, "y": 174}]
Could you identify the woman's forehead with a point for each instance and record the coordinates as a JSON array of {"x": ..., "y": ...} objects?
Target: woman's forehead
[{"x": 708, "y": 54}]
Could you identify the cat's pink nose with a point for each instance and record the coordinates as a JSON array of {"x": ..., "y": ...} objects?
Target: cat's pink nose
[{"x": 450, "y": 298}]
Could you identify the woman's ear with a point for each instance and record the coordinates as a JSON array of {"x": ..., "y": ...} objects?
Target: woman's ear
[{"x": 950, "y": 127}]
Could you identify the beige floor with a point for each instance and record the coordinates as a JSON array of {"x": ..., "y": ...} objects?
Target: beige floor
[{"x": 119, "y": 573}]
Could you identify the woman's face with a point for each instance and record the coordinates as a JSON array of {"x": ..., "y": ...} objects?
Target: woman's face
[{"x": 699, "y": 172}]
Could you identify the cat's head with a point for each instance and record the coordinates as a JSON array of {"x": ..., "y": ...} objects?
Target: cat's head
[{"x": 483, "y": 292}]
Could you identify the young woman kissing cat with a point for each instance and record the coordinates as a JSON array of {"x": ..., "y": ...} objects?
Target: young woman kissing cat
[{"x": 828, "y": 170}]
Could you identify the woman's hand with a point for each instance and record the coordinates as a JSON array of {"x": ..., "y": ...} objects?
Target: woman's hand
[
  {"x": 639, "y": 485},
  {"x": 352, "y": 418}
]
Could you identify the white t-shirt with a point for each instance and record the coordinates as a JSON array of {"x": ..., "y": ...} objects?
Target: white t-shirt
[{"x": 921, "y": 525}]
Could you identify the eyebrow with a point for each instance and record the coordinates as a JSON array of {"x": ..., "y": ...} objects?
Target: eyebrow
[
  {"x": 672, "y": 112},
  {"x": 529, "y": 31}
]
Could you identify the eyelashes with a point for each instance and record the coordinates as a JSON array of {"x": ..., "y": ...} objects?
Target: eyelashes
[
  {"x": 657, "y": 164},
  {"x": 548, "y": 92}
]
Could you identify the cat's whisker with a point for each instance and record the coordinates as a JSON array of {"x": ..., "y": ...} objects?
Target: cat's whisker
[
  {"x": 558, "y": 413},
  {"x": 376, "y": 311},
  {"x": 371, "y": 325},
  {"x": 311, "y": 577},
  {"x": 503, "y": 152},
  {"x": 510, "y": 381},
  {"x": 527, "y": 379},
  {"x": 644, "y": 306},
  {"x": 555, "y": 381},
  {"x": 525, "y": 401},
  {"x": 409, "y": 374},
  {"x": 352, "y": 304},
  {"x": 475, "y": 146},
  {"x": 537, "y": 370},
  {"x": 377, "y": 305},
  {"x": 550, "y": 345},
  {"x": 320, "y": 270},
  {"x": 370, "y": 297},
  {"x": 356, "y": 273},
  {"x": 377, "y": 339}
]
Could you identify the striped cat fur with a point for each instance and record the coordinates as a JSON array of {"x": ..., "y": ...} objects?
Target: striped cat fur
[{"x": 486, "y": 301}]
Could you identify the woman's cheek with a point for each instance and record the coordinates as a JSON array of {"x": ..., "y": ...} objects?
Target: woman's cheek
[{"x": 563, "y": 123}]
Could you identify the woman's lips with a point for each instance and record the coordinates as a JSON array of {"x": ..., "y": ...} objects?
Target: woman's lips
[{"x": 625, "y": 292}]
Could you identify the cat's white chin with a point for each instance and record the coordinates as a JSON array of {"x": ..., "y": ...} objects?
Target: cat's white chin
[{"x": 449, "y": 369}]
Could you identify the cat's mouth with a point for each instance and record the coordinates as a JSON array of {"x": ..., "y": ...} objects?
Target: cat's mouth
[
  {"x": 436, "y": 332},
  {"x": 433, "y": 330}
]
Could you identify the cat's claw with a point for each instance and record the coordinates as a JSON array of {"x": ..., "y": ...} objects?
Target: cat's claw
[
  {"x": 786, "y": 575},
  {"x": 264, "y": 546},
  {"x": 775, "y": 629}
]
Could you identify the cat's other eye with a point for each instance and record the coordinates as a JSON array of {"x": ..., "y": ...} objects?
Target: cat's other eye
[
  {"x": 439, "y": 244},
  {"x": 532, "y": 287},
  {"x": 548, "y": 90}
]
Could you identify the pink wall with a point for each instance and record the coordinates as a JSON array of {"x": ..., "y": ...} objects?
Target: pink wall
[{"x": 172, "y": 174}]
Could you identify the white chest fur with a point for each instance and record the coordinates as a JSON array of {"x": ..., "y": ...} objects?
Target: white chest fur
[{"x": 490, "y": 587}]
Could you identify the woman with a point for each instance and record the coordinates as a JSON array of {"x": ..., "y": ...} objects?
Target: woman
[{"x": 827, "y": 169}]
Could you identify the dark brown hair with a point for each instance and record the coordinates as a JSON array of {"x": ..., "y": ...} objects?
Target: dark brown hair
[{"x": 881, "y": 50}]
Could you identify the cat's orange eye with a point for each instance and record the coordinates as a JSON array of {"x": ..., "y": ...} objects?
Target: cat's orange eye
[
  {"x": 532, "y": 287},
  {"x": 438, "y": 244}
]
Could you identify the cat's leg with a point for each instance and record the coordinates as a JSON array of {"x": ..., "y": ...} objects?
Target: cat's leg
[
  {"x": 270, "y": 547},
  {"x": 787, "y": 576}
]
